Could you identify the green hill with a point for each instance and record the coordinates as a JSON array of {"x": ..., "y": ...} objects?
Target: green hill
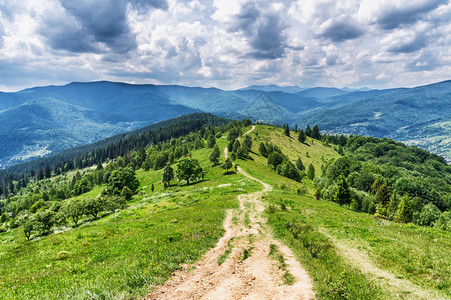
[{"x": 123, "y": 251}]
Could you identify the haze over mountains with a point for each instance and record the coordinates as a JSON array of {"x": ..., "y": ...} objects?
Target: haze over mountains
[{"x": 44, "y": 120}]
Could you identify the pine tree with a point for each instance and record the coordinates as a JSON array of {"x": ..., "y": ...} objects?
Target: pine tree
[
  {"x": 227, "y": 164},
  {"x": 404, "y": 213},
  {"x": 286, "y": 130},
  {"x": 167, "y": 175},
  {"x": 262, "y": 149},
  {"x": 311, "y": 172},
  {"x": 299, "y": 164},
  {"x": 214, "y": 155},
  {"x": 315, "y": 132},
  {"x": 211, "y": 141},
  {"x": 308, "y": 131},
  {"x": 341, "y": 195},
  {"x": 301, "y": 136}
]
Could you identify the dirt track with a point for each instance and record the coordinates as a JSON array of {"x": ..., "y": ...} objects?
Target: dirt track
[{"x": 256, "y": 277}]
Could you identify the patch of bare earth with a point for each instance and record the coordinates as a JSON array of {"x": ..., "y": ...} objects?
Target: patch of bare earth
[
  {"x": 248, "y": 272},
  {"x": 399, "y": 287}
]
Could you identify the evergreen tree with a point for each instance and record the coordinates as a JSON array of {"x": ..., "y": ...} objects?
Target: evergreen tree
[
  {"x": 382, "y": 199},
  {"x": 286, "y": 130},
  {"x": 301, "y": 136},
  {"x": 308, "y": 131},
  {"x": 296, "y": 128},
  {"x": 262, "y": 149},
  {"x": 299, "y": 164},
  {"x": 341, "y": 195},
  {"x": 404, "y": 212},
  {"x": 214, "y": 155},
  {"x": 227, "y": 164},
  {"x": 311, "y": 172},
  {"x": 211, "y": 141},
  {"x": 315, "y": 132},
  {"x": 167, "y": 175}
]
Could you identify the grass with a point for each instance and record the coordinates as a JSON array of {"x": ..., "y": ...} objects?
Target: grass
[
  {"x": 274, "y": 253},
  {"x": 408, "y": 251},
  {"x": 247, "y": 253},
  {"x": 226, "y": 253},
  {"x": 122, "y": 255}
]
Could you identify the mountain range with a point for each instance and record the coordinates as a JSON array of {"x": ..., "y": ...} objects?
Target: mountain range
[{"x": 45, "y": 120}]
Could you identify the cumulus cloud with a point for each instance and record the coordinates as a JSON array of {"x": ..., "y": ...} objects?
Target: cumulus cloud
[
  {"x": 340, "y": 29},
  {"x": 226, "y": 43},
  {"x": 264, "y": 31}
]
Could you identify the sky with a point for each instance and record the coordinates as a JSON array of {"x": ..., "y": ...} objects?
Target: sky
[{"x": 225, "y": 43}]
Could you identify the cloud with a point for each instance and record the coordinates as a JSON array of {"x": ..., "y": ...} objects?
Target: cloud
[
  {"x": 94, "y": 26},
  {"x": 264, "y": 31},
  {"x": 391, "y": 14},
  {"x": 340, "y": 29},
  {"x": 2, "y": 33}
]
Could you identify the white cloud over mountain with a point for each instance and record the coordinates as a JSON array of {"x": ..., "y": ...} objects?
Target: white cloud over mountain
[{"x": 225, "y": 43}]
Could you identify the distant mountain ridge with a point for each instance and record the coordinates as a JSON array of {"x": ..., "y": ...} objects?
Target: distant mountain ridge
[{"x": 84, "y": 112}]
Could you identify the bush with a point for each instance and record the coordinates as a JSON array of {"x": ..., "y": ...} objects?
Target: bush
[
  {"x": 429, "y": 214},
  {"x": 444, "y": 221}
]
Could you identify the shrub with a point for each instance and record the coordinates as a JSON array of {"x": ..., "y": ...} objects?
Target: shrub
[
  {"x": 444, "y": 221},
  {"x": 43, "y": 221},
  {"x": 429, "y": 214}
]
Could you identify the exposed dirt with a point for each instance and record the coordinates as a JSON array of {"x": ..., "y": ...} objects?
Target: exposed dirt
[{"x": 248, "y": 272}]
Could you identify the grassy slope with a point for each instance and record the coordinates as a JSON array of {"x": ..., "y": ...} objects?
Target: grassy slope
[
  {"x": 417, "y": 253},
  {"x": 120, "y": 255}
]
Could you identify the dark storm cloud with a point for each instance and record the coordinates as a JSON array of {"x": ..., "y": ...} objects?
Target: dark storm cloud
[
  {"x": 415, "y": 45},
  {"x": 89, "y": 26},
  {"x": 264, "y": 32},
  {"x": 341, "y": 30},
  {"x": 392, "y": 18}
]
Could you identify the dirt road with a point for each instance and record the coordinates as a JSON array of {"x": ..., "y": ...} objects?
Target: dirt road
[{"x": 248, "y": 270}]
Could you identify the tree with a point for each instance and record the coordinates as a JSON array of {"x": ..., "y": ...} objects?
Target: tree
[
  {"x": 308, "y": 131},
  {"x": 112, "y": 203},
  {"x": 43, "y": 221},
  {"x": 275, "y": 159},
  {"x": 404, "y": 212},
  {"x": 315, "y": 132},
  {"x": 382, "y": 199},
  {"x": 188, "y": 169},
  {"x": 341, "y": 195},
  {"x": 120, "y": 178},
  {"x": 93, "y": 206},
  {"x": 262, "y": 149},
  {"x": 311, "y": 172},
  {"x": 74, "y": 210},
  {"x": 127, "y": 193},
  {"x": 429, "y": 214},
  {"x": 167, "y": 175},
  {"x": 299, "y": 164},
  {"x": 286, "y": 130},
  {"x": 301, "y": 136},
  {"x": 228, "y": 164},
  {"x": 214, "y": 155},
  {"x": 248, "y": 142},
  {"x": 27, "y": 229},
  {"x": 211, "y": 141}
]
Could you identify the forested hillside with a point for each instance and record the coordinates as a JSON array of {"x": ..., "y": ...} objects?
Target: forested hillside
[{"x": 165, "y": 190}]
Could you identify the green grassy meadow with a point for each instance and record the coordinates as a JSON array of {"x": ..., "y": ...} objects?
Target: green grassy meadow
[
  {"x": 418, "y": 254},
  {"x": 123, "y": 255}
]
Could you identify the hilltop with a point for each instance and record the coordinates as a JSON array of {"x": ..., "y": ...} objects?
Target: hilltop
[
  {"x": 336, "y": 206},
  {"x": 418, "y": 116}
]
